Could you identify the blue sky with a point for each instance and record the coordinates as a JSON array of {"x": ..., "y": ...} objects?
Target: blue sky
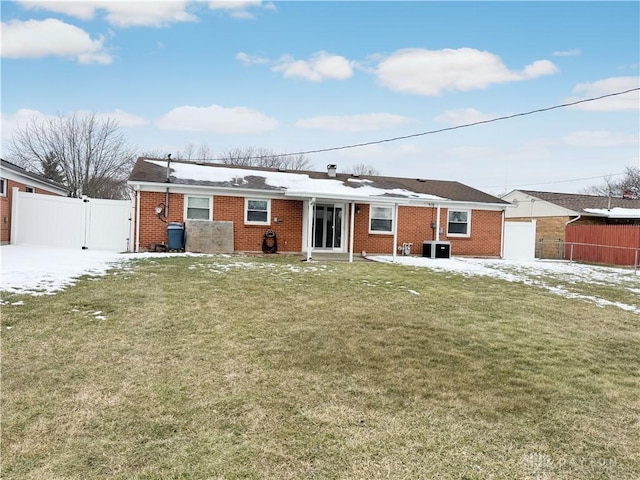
[{"x": 300, "y": 76}]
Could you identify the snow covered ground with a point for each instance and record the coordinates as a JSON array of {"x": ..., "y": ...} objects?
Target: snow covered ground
[{"x": 39, "y": 270}]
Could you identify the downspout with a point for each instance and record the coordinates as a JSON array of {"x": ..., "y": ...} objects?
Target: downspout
[
  {"x": 166, "y": 195},
  {"x": 395, "y": 233},
  {"x": 573, "y": 220},
  {"x": 351, "y": 226},
  {"x": 137, "y": 247},
  {"x": 438, "y": 224}
]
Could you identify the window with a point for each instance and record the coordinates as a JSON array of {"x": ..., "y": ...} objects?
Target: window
[
  {"x": 29, "y": 189},
  {"x": 3, "y": 187},
  {"x": 380, "y": 219},
  {"x": 198, "y": 208},
  {"x": 459, "y": 223},
  {"x": 256, "y": 211}
]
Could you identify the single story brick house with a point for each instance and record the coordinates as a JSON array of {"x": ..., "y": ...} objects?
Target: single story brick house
[
  {"x": 310, "y": 211},
  {"x": 12, "y": 176}
]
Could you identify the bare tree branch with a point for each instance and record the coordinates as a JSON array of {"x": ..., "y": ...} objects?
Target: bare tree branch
[{"x": 92, "y": 155}]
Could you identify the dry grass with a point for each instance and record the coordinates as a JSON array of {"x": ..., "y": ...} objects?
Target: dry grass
[{"x": 273, "y": 368}]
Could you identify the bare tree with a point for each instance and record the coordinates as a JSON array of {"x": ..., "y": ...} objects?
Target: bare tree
[
  {"x": 92, "y": 155},
  {"x": 363, "y": 169},
  {"x": 262, "y": 157},
  {"x": 629, "y": 184}
]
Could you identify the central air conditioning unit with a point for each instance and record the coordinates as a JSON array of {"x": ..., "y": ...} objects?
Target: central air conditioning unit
[{"x": 436, "y": 249}]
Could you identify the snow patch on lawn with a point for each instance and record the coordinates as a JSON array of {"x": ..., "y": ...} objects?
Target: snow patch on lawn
[{"x": 545, "y": 274}]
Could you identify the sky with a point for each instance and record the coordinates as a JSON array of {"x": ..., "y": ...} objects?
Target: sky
[
  {"x": 39, "y": 270},
  {"x": 304, "y": 76}
]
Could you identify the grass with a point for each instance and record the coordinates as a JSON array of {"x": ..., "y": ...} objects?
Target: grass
[{"x": 228, "y": 368}]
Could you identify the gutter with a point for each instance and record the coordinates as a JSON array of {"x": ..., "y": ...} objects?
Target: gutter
[{"x": 573, "y": 220}]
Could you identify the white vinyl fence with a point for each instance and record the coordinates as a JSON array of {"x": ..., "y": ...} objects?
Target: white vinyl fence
[
  {"x": 76, "y": 223},
  {"x": 519, "y": 240}
]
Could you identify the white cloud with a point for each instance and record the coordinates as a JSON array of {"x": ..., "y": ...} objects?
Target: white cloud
[
  {"x": 463, "y": 116},
  {"x": 430, "y": 72},
  {"x": 35, "y": 39},
  {"x": 354, "y": 123},
  {"x": 319, "y": 67},
  {"x": 628, "y": 101},
  {"x": 594, "y": 139},
  {"x": 240, "y": 9},
  {"x": 12, "y": 122},
  {"x": 567, "y": 53},
  {"x": 250, "y": 60},
  {"x": 119, "y": 13},
  {"x": 216, "y": 119}
]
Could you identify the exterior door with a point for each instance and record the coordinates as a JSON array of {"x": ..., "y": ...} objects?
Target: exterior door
[{"x": 327, "y": 226}]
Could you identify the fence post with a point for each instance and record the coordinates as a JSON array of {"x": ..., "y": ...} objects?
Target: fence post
[
  {"x": 635, "y": 264},
  {"x": 571, "y": 253}
]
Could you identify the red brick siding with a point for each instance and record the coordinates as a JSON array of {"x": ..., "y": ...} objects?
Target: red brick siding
[
  {"x": 152, "y": 229},
  {"x": 248, "y": 238},
  {"x": 5, "y": 207},
  {"x": 414, "y": 226}
]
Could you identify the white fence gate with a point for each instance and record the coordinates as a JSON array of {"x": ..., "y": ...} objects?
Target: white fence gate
[
  {"x": 87, "y": 223},
  {"x": 519, "y": 240}
]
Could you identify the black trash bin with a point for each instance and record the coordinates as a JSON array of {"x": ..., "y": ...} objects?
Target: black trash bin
[{"x": 175, "y": 236}]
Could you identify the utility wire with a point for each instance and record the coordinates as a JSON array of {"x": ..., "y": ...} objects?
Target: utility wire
[
  {"x": 447, "y": 129},
  {"x": 549, "y": 183}
]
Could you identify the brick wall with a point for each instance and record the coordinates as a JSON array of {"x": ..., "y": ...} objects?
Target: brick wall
[
  {"x": 152, "y": 229},
  {"x": 5, "y": 207},
  {"x": 414, "y": 226},
  {"x": 247, "y": 238}
]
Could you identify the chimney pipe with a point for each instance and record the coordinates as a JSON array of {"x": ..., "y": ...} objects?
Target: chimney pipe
[
  {"x": 168, "y": 168},
  {"x": 331, "y": 170}
]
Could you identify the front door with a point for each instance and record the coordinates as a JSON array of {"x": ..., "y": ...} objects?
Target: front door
[{"x": 327, "y": 226}]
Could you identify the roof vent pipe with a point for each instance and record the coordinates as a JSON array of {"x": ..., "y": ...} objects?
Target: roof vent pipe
[
  {"x": 168, "y": 168},
  {"x": 331, "y": 170}
]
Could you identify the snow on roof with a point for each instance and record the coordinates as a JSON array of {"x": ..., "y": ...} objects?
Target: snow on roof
[
  {"x": 616, "y": 212},
  {"x": 290, "y": 183}
]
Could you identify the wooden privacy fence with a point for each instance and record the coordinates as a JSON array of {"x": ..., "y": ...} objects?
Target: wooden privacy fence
[{"x": 612, "y": 244}]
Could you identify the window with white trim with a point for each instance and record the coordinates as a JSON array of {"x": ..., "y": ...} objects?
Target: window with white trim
[
  {"x": 197, "y": 208},
  {"x": 29, "y": 189},
  {"x": 3, "y": 187},
  {"x": 380, "y": 219},
  {"x": 257, "y": 211},
  {"x": 459, "y": 223}
]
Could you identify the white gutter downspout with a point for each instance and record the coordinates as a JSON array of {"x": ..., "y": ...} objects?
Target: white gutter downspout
[
  {"x": 137, "y": 247},
  {"x": 438, "y": 224},
  {"x": 352, "y": 222},
  {"x": 395, "y": 233},
  {"x": 573, "y": 220},
  {"x": 312, "y": 202}
]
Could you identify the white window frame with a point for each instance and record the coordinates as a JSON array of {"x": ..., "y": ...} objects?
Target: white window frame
[
  {"x": 468, "y": 223},
  {"x": 371, "y": 217},
  {"x": 186, "y": 207},
  {"x": 246, "y": 211},
  {"x": 30, "y": 189},
  {"x": 5, "y": 185}
]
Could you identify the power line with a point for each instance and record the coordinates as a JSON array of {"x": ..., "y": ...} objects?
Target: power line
[
  {"x": 550, "y": 183},
  {"x": 446, "y": 129}
]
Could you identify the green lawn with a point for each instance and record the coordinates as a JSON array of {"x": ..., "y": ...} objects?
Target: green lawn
[{"x": 236, "y": 367}]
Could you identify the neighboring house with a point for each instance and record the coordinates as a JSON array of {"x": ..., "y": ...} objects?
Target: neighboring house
[
  {"x": 13, "y": 176},
  {"x": 553, "y": 212},
  {"x": 310, "y": 211}
]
